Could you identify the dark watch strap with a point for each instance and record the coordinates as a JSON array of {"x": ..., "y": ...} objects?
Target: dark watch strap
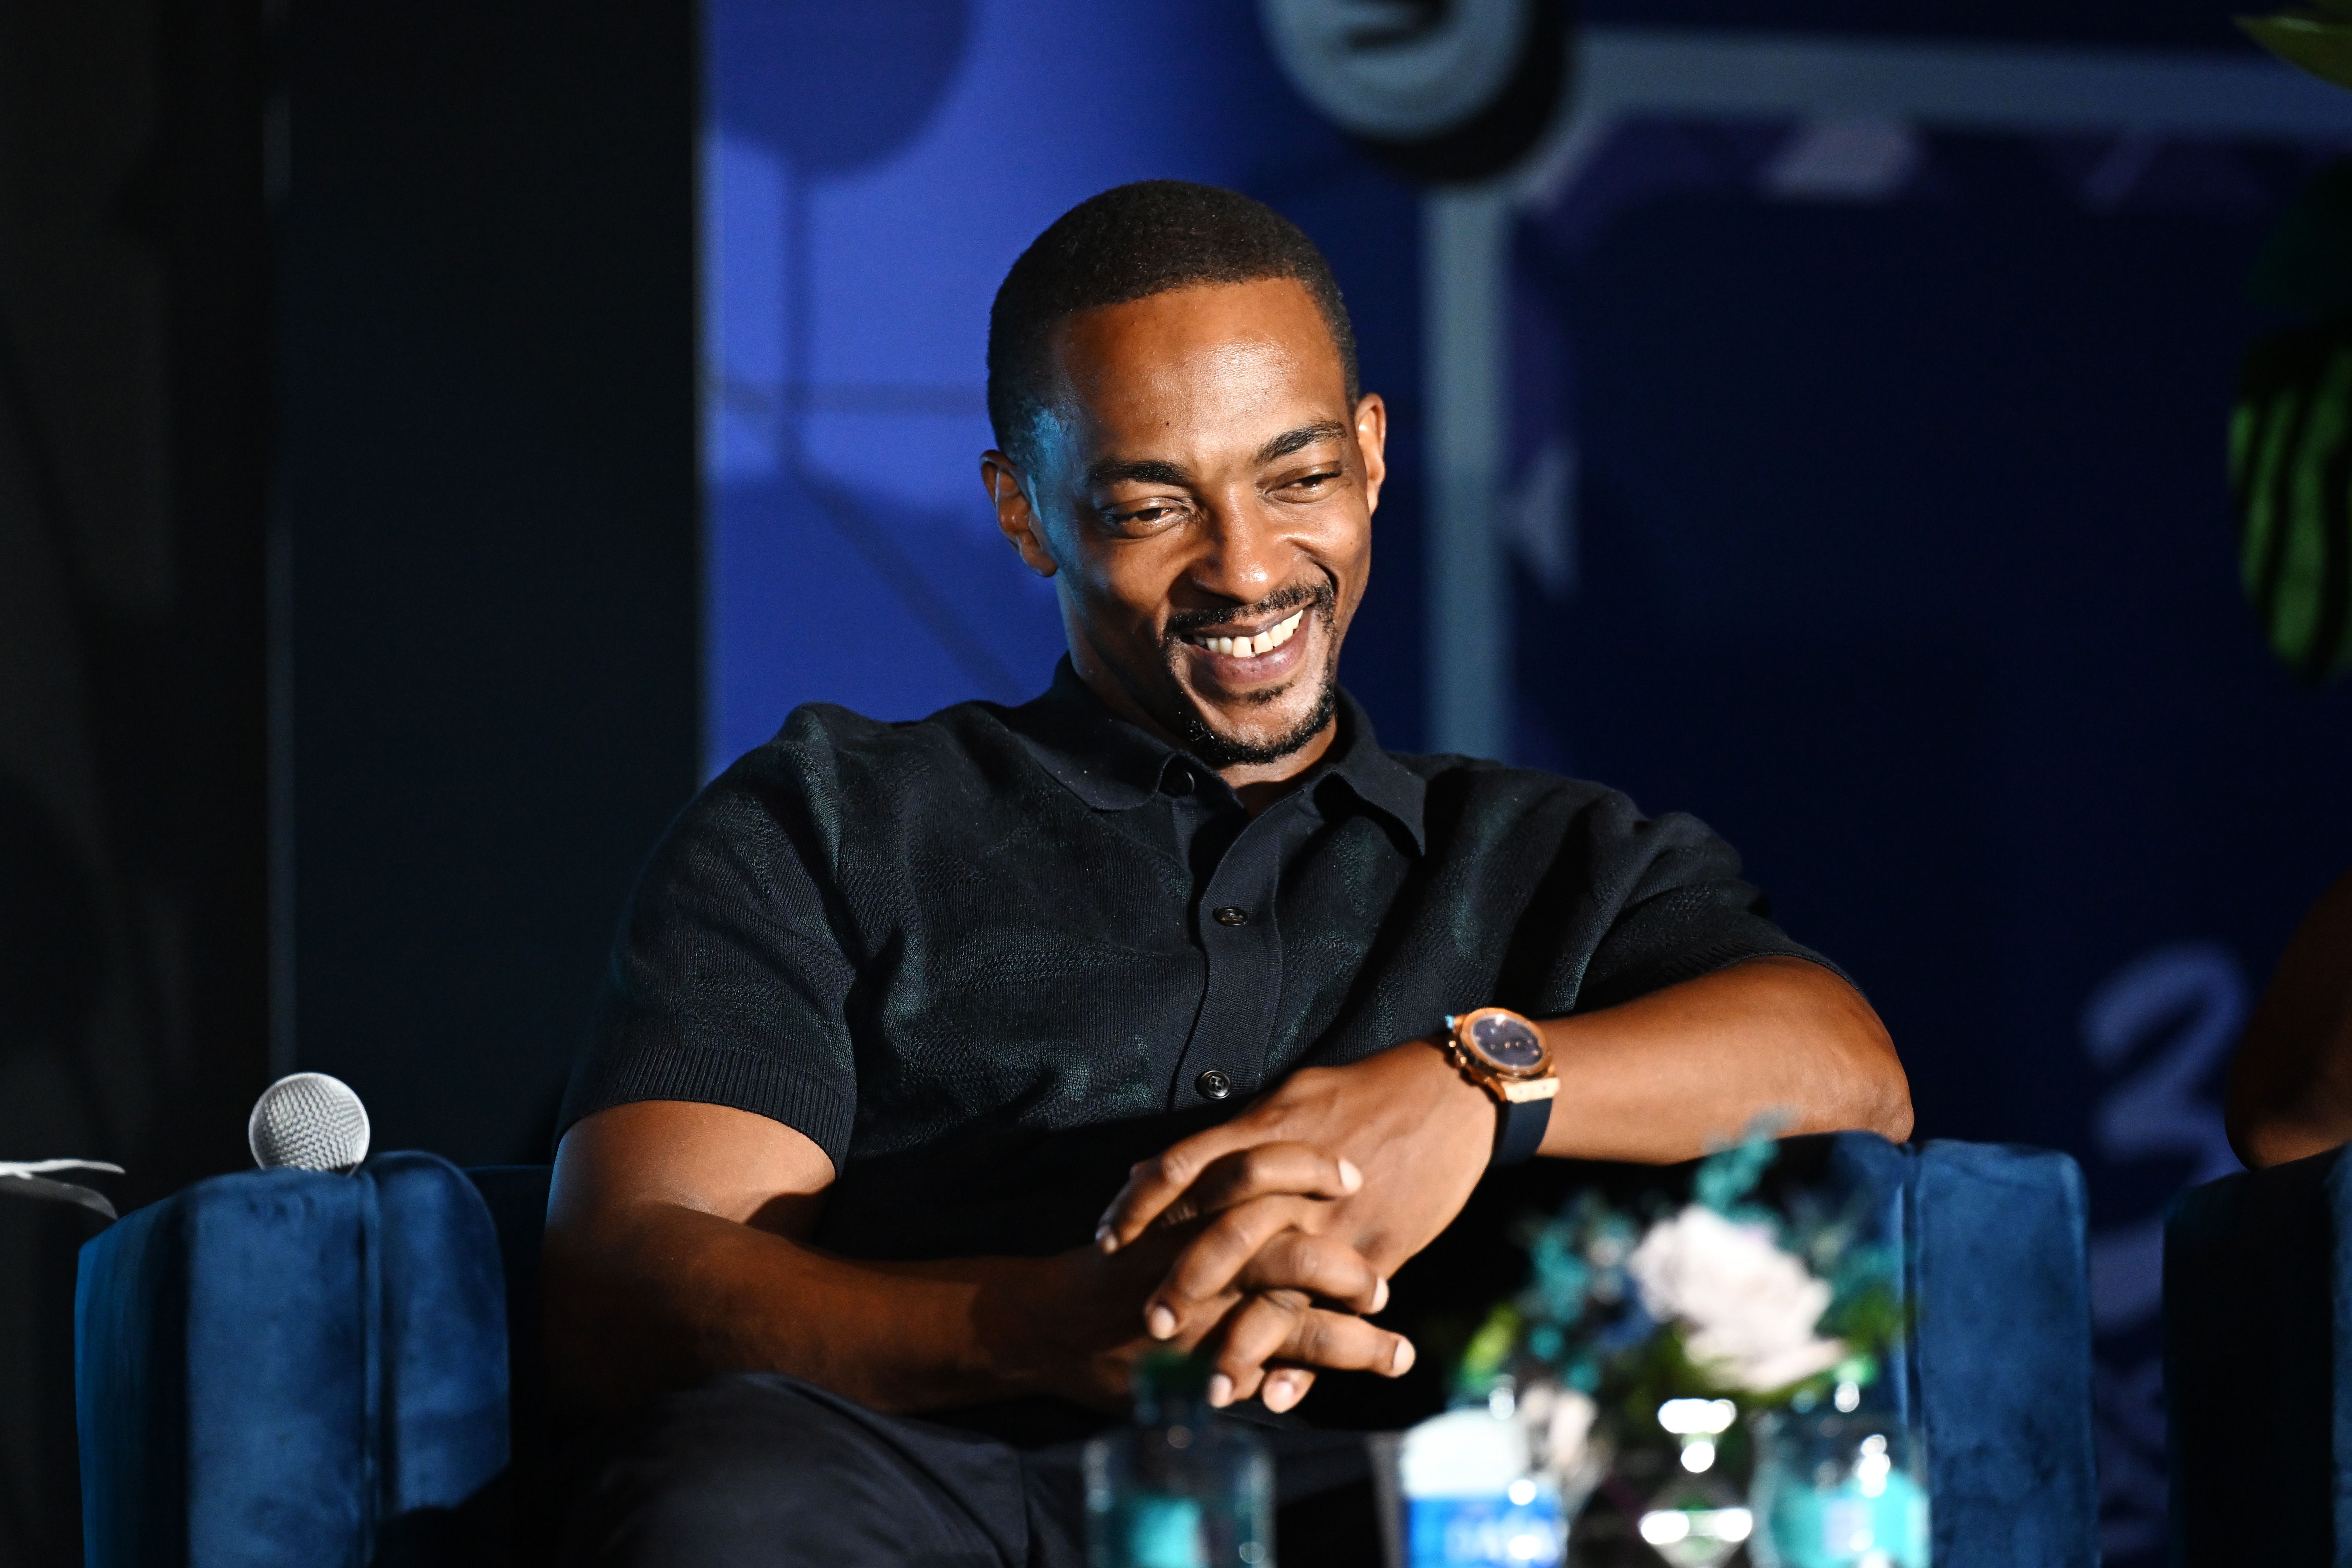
[{"x": 1519, "y": 1132}]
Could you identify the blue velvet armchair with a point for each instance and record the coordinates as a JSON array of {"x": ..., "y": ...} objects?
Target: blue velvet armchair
[
  {"x": 2257, "y": 1328},
  {"x": 282, "y": 1368}
]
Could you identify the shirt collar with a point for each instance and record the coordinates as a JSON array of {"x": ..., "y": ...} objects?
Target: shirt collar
[{"x": 1114, "y": 765}]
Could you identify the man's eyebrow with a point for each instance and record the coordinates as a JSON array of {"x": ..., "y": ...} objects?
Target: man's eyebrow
[
  {"x": 1160, "y": 471},
  {"x": 1290, "y": 441},
  {"x": 1137, "y": 471}
]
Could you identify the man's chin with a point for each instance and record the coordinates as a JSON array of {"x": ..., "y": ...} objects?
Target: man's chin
[{"x": 1254, "y": 742}]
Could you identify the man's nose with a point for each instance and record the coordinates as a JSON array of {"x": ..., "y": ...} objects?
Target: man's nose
[{"x": 1248, "y": 555}]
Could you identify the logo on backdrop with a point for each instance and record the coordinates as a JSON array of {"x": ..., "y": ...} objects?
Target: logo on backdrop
[
  {"x": 2162, "y": 1026},
  {"x": 1451, "y": 91},
  {"x": 2158, "y": 1030}
]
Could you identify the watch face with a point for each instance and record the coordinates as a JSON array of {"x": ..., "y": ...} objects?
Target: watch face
[{"x": 1506, "y": 1040}]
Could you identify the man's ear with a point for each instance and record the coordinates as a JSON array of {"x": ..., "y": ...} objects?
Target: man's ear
[
  {"x": 1372, "y": 442},
  {"x": 1013, "y": 513}
]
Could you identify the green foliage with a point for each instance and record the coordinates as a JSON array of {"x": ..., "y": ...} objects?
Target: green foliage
[
  {"x": 2288, "y": 440},
  {"x": 2317, "y": 39},
  {"x": 1490, "y": 1351}
]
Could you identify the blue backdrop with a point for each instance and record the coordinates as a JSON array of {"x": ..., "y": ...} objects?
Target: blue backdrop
[
  {"x": 1885, "y": 527},
  {"x": 1901, "y": 551}
]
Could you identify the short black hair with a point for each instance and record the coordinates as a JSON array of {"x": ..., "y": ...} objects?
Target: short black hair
[{"x": 1130, "y": 243}]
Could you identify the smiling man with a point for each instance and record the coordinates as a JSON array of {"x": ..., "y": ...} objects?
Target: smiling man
[{"x": 949, "y": 1065}]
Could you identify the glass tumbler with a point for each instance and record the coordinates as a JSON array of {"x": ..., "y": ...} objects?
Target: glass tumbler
[
  {"x": 1835, "y": 1489},
  {"x": 1181, "y": 1489}
]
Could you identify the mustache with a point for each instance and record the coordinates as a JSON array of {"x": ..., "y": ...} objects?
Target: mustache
[{"x": 1321, "y": 596}]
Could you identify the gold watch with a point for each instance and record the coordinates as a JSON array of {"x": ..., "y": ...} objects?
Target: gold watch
[{"x": 1503, "y": 1053}]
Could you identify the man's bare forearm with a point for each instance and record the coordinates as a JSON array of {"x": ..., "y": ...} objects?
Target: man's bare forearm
[
  {"x": 678, "y": 1247},
  {"x": 661, "y": 1296},
  {"x": 1671, "y": 1074}
]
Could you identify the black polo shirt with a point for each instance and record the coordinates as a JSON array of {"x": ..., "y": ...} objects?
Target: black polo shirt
[{"x": 988, "y": 960}]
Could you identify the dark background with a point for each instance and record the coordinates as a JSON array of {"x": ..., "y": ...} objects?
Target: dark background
[
  {"x": 355, "y": 641},
  {"x": 485, "y": 479},
  {"x": 348, "y": 583}
]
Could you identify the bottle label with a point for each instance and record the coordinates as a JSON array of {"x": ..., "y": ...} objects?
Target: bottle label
[{"x": 1484, "y": 1531}]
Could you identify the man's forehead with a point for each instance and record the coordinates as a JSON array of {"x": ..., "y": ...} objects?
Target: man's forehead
[
  {"x": 1247, "y": 365},
  {"x": 1192, "y": 302}
]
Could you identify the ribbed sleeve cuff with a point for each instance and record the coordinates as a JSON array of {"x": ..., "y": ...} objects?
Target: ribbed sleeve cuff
[
  {"x": 719, "y": 1075},
  {"x": 1712, "y": 956}
]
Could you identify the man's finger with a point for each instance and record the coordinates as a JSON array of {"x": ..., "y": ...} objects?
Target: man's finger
[
  {"x": 1280, "y": 1325},
  {"x": 1324, "y": 1267},
  {"x": 1264, "y": 1170},
  {"x": 1215, "y": 1168},
  {"x": 1204, "y": 1280},
  {"x": 1212, "y": 1261},
  {"x": 1284, "y": 1386}
]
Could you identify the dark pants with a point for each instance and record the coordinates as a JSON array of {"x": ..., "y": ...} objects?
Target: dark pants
[{"x": 762, "y": 1471}]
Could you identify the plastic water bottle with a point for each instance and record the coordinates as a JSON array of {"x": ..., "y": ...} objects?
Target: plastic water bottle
[
  {"x": 1471, "y": 1497},
  {"x": 1181, "y": 1489}
]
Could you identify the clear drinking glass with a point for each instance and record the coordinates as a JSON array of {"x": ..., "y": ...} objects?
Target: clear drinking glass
[
  {"x": 1179, "y": 1489},
  {"x": 1838, "y": 1489},
  {"x": 1696, "y": 1517}
]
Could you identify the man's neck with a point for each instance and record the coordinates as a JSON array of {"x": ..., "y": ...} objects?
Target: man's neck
[{"x": 1260, "y": 785}]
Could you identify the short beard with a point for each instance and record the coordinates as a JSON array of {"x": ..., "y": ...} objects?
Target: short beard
[{"x": 1219, "y": 752}]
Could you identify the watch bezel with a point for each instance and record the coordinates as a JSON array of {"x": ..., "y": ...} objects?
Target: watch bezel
[{"x": 1459, "y": 1029}]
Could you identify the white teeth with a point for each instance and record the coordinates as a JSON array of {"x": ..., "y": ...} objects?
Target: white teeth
[{"x": 1272, "y": 637}]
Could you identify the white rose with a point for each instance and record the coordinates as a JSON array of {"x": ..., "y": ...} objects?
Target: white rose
[{"x": 1746, "y": 1308}]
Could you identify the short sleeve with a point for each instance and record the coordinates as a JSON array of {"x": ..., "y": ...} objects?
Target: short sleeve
[
  {"x": 727, "y": 985},
  {"x": 1656, "y": 901}
]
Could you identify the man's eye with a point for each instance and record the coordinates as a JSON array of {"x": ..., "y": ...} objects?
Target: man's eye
[
  {"x": 1311, "y": 482},
  {"x": 1140, "y": 519}
]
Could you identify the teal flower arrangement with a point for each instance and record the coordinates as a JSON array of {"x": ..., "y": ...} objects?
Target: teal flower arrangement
[{"x": 1722, "y": 1298}]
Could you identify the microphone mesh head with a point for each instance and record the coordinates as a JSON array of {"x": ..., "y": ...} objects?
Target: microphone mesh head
[{"x": 310, "y": 1122}]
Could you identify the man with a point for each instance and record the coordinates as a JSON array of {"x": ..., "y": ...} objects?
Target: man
[{"x": 949, "y": 1065}]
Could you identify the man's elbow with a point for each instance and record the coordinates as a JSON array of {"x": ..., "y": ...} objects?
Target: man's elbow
[
  {"x": 1878, "y": 1091},
  {"x": 1888, "y": 1109}
]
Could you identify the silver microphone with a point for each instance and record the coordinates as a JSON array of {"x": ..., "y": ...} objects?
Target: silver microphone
[{"x": 310, "y": 1122}]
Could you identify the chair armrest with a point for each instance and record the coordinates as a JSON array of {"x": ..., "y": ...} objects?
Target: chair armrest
[
  {"x": 2255, "y": 1301},
  {"x": 284, "y": 1366}
]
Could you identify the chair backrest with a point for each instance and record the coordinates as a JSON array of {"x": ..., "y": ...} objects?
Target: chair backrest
[{"x": 2257, "y": 1312}]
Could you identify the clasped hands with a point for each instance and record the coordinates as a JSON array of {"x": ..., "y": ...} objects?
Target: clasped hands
[{"x": 1279, "y": 1230}]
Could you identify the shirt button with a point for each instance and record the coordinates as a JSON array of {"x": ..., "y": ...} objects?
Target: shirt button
[
  {"x": 1180, "y": 781},
  {"x": 1233, "y": 915},
  {"x": 1214, "y": 1085}
]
